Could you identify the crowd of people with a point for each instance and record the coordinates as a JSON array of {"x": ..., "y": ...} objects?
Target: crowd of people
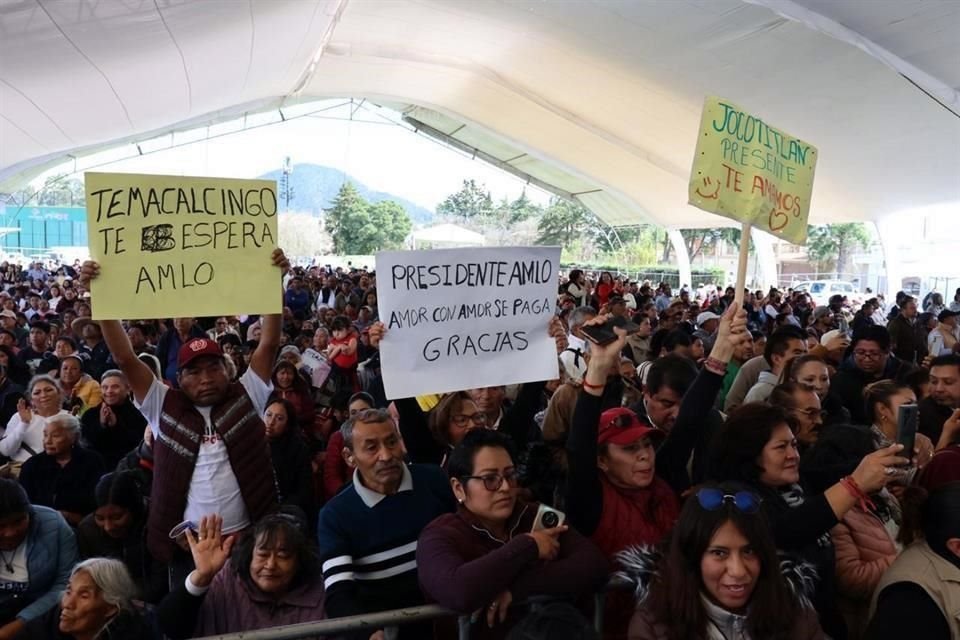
[{"x": 723, "y": 470}]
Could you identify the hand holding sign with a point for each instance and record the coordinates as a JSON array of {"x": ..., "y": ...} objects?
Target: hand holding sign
[
  {"x": 466, "y": 318},
  {"x": 90, "y": 270},
  {"x": 182, "y": 245}
]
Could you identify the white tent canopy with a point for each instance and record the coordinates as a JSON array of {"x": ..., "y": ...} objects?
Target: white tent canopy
[
  {"x": 599, "y": 100},
  {"x": 443, "y": 236}
]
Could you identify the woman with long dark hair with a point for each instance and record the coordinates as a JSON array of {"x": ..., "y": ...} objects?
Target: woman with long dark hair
[
  {"x": 290, "y": 457},
  {"x": 117, "y": 529},
  {"x": 719, "y": 576},
  {"x": 756, "y": 446}
]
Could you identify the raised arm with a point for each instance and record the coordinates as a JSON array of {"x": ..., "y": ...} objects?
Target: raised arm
[
  {"x": 265, "y": 355},
  {"x": 584, "y": 492},
  {"x": 139, "y": 374},
  {"x": 697, "y": 403}
]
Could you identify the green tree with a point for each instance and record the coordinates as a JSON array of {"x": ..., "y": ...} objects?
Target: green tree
[
  {"x": 833, "y": 244},
  {"x": 471, "y": 201},
  {"x": 392, "y": 224},
  {"x": 361, "y": 228},
  {"x": 562, "y": 223}
]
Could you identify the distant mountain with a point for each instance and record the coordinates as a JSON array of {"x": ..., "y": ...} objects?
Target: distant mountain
[{"x": 315, "y": 187}]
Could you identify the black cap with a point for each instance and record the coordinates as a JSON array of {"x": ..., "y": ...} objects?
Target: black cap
[{"x": 947, "y": 313}]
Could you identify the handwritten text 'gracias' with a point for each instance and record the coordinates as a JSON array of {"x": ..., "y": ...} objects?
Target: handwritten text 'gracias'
[
  {"x": 495, "y": 275},
  {"x": 191, "y": 232}
]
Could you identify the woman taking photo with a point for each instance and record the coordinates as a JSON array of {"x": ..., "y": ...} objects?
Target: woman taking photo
[
  {"x": 37, "y": 552},
  {"x": 64, "y": 475},
  {"x": 291, "y": 460},
  {"x": 922, "y": 587},
  {"x": 757, "y": 447},
  {"x": 97, "y": 605},
  {"x": 882, "y": 401},
  {"x": 269, "y": 577},
  {"x": 117, "y": 529},
  {"x": 23, "y": 437},
  {"x": 719, "y": 576},
  {"x": 487, "y": 555}
]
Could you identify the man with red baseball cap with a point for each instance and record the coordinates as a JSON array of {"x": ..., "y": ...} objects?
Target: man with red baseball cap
[{"x": 211, "y": 455}]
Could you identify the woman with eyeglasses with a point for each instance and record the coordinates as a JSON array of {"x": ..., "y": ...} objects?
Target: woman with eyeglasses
[
  {"x": 919, "y": 595},
  {"x": 267, "y": 577},
  {"x": 756, "y": 446},
  {"x": 497, "y": 550},
  {"x": 719, "y": 576}
]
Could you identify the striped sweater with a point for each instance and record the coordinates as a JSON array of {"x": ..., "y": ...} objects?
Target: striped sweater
[{"x": 368, "y": 542}]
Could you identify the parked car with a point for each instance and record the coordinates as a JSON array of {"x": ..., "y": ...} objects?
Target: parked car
[{"x": 822, "y": 290}]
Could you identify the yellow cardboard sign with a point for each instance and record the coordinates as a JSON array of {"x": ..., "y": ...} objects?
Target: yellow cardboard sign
[
  {"x": 747, "y": 170},
  {"x": 170, "y": 246}
]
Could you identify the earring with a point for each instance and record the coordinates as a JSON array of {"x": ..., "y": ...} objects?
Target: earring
[{"x": 460, "y": 500}]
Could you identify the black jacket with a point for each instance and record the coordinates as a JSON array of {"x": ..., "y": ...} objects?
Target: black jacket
[
  {"x": 112, "y": 443},
  {"x": 848, "y": 384},
  {"x": 67, "y": 488}
]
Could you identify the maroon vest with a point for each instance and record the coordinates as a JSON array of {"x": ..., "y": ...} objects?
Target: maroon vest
[{"x": 175, "y": 451}]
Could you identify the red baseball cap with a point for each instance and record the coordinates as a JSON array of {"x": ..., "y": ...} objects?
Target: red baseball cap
[
  {"x": 622, "y": 426},
  {"x": 197, "y": 348}
]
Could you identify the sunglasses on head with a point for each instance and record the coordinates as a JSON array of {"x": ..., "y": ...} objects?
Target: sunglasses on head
[{"x": 713, "y": 499}]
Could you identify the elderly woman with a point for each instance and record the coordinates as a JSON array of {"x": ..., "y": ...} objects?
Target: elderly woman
[
  {"x": 117, "y": 529},
  {"x": 23, "y": 436},
  {"x": 116, "y": 426},
  {"x": 37, "y": 551},
  {"x": 97, "y": 605},
  {"x": 64, "y": 475},
  {"x": 491, "y": 552},
  {"x": 267, "y": 578}
]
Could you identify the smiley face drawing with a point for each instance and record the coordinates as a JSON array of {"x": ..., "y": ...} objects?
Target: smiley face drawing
[{"x": 710, "y": 189}]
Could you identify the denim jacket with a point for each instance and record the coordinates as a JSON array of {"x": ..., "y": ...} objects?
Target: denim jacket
[{"x": 51, "y": 554}]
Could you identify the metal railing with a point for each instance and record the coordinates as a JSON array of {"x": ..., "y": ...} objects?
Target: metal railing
[{"x": 389, "y": 621}]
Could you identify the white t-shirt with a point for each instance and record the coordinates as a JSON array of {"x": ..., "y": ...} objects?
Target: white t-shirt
[
  {"x": 16, "y": 578},
  {"x": 214, "y": 488}
]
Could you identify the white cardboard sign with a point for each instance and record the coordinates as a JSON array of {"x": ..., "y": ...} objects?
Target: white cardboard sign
[{"x": 466, "y": 318}]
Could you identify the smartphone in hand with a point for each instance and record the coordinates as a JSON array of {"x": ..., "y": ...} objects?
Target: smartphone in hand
[
  {"x": 603, "y": 334},
  {"x": 908, "y": 416}
]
